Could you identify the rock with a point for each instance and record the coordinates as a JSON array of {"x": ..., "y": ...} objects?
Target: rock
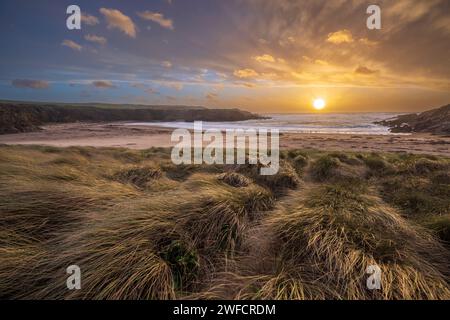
[{"x": 436, "y": 121}]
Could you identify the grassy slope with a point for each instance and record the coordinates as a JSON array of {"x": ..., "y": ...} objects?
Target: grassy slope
[{"x": 140, "y": 227}]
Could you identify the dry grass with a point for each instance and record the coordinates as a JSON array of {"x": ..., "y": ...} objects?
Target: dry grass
[
  {"x": 141, "y": 228},
  {"x": 234, "y": 179},
  {"x": 338, "y": 234}
]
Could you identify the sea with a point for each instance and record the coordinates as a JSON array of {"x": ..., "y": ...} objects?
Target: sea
[{"x": 326, "y": 123}]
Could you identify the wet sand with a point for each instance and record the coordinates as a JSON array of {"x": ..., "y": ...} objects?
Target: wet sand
[{"x": 141, "y": 137}]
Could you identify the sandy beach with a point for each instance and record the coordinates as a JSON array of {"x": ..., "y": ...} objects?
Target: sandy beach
[{"x": 117, "y": 134}]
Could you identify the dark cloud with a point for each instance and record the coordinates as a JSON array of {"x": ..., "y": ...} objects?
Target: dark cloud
[
  {"x": 104, "y": 84},
  {"x": 33, "y": 84},
  {"x": 365, "y": 70}
]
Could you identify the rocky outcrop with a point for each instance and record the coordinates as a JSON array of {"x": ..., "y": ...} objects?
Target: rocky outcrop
[
  {"x": 22, "y": 117},
  {"x": 436, "y": 121}
]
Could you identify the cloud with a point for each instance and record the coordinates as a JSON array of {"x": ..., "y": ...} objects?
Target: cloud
[
  {"x": 89, "y": 19},
  {"x": 144, "y": 87},
  {"x": 27, "y": 83},
  {"x": 368, "y": 42},
  {"x": 157, "y": 18},
  {"x": 341, "y": 36},
  {"x": 264, "y": 58},
  {"x": 117, "y": 20},
  {"x": 321, "y": 62},
  {"x": 286, "y": 42},
  {"x": 96, "y": 39},
  {"x": 211, "y": 96},
  {"x": 174, "y": 85},
  {"x": 247, "y": 84},
  {"x": 167, "y": 64},
  {"x": 72, "y": 45},
  {"x": 138, "y": 85},
  {"x": 151, "y": 91},
  {"x": 312, "y": 61},
  {"x": 365, "y": 70},
  {"x": 245, "y": 73},
  {"x": 104, "y": 84}
]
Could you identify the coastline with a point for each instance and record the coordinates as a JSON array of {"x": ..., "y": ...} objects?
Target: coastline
[{"x": 116, "y": 134}]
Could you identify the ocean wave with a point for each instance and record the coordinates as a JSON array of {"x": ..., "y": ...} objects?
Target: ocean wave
[{"x": 345, "y": 123}]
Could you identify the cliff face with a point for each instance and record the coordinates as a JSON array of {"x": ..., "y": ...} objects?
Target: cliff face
[
  {"x": 23, "y": 117},
  {"x": 436, "y": 121}
]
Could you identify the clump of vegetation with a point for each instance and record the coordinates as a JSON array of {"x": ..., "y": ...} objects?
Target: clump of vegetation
[
  {"x": 218, "y": 219},
  {"x": 441, "y": 226},
  {"x": 324, "y": 168},
  {"x": 300, "y": 162},
  {"x": 376, "y": 164},
  {"x": 346, "y": 158},
  {"x": 183, "y": 262},
  {"x": 293, "y": 153},
  {"x": 234, "y": 179},
  {"x": 138, "y": 176},
  {"x": 426, "y": 166},
  {"x": 363, "y": 232},
  {"x": 331, "y": 169},
  {"x": 416, "y": 196},
  {"x": 179, "y": 172},
  {"x": 285, "y": 178}
]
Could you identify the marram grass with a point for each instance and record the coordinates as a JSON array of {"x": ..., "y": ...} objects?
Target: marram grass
[{"x": 140, "y": 227}]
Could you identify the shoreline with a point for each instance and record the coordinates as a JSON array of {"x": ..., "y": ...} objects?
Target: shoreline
[{"x": 116, "y": 134}]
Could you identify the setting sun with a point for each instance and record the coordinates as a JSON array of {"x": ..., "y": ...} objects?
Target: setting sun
[{"x": 319, "y": 104}]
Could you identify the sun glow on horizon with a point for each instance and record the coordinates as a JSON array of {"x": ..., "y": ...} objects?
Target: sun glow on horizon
[{"x": 319, "y": 104}]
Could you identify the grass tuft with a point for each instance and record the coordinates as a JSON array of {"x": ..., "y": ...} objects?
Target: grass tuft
[
  {"x": 138, "y": 176},
  {"x": 234, "y": 179}
]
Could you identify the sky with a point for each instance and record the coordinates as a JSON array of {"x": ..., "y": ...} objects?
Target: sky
[{"x": 258, "y": 55}]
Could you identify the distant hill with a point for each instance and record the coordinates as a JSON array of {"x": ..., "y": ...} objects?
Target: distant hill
[
  {"x": 28, "y": 116},
  {"x": 436, "y": 121}
]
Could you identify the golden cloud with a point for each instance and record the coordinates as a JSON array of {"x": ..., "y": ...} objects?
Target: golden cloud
[
  {"x": 89, "y": 19},
  {"x": 245, "y": 73},
  {"x": 321, "y": 62},
  {"x": 72, "y": 45},
  {"x": 96, "y": 39},
  {"x": 117, "y": 20},
  {"x": 341, "y": 36},
  {"x": 264, "y": 58},
  {"x": 157, "y": 18},
  {"x": 368, "y": 42}
]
